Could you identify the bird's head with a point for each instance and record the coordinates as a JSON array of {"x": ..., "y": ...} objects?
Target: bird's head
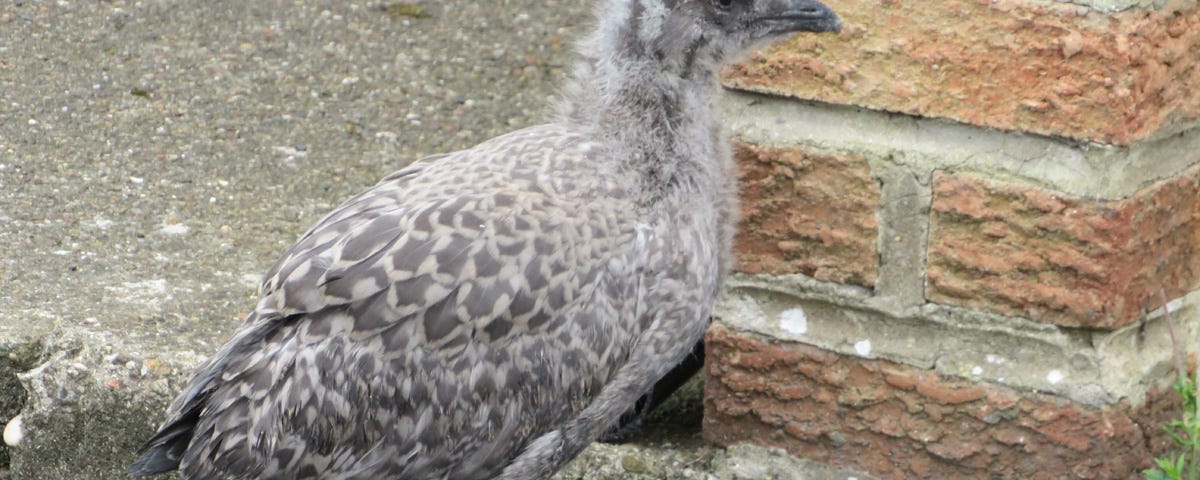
[{"x": 711, "y": 31}]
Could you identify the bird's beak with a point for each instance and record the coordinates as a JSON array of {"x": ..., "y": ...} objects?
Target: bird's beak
[{"x": 787, "y": 16}]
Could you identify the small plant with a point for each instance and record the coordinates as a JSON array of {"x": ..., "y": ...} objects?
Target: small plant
[{"x": 1185, "y": 464}]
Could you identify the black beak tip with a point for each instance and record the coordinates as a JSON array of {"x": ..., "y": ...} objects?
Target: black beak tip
[
  {"x": 832, "y": 24},
  {"x": 807, "y": 16},
  {"x": 828, "y": 20}
]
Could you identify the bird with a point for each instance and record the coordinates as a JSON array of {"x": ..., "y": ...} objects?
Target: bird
[{"x": 488, "y": 313}]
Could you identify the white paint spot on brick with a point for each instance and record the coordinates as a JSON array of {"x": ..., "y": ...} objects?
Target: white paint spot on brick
[
  {"x": 794, "y": 321},
  {"x": 1054, "y": 377},
  {"x": 14, "y": 432},
  {"x": 978, "y": 370},
  {"x": 863, "y": 348}
]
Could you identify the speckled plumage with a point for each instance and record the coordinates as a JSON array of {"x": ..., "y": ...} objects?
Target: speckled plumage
[{"x": 489, "y": 312}]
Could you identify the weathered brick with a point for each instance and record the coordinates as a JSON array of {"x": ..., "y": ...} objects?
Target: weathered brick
[
  {"x": 899, "y": 378},
  {"x": 949, "y": 393},
  {"x": 902, "y": 433},
  {"x": 807, "y": 212},
  {"x": 1016, "y": 249},
  {"x": 1047, "y": 67}
]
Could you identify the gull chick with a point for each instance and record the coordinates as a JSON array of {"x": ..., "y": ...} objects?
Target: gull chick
[{"x": 490, "y": 312}]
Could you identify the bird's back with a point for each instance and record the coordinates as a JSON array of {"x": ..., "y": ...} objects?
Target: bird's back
[{"x": 431, "y": 326}]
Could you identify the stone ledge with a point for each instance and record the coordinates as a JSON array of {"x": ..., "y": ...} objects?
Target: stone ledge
[
  {"x": 925, "y": 145},
  {"x": 737, "y": 462},
  {"x": 1111, "y": 5},
  {"x": 1044, "y": 67},
  {"x": 86, "y": 405},
  {"x": 1092, "y": 368}
]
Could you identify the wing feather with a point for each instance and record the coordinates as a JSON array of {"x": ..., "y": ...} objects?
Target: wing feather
[{"x": 386, "y": 308}]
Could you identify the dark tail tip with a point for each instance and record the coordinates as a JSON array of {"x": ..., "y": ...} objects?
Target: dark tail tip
[{"x": 155, "y": 460}]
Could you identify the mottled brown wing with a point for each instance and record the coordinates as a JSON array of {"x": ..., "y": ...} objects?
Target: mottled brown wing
[{"x": 423, "y": 316}]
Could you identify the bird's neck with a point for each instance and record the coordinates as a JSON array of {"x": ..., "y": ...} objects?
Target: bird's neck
[{"x": 658, "y": 119}]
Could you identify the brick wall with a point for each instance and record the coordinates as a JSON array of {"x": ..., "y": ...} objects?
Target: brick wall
[{"x": 961, "y": 223}]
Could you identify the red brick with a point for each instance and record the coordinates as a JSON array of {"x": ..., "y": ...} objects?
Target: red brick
[
  {"x": 1002, "y": 399},
  {"x": 954, "y": 450},
  {"x": 1009, "y": 435},
  {"x": 884, "y": 418},
  {"x": 902, "y": 379},
  {"x": 891, "y": 440},
  {"x": 1110, "y": 77},
  {"x": 952, "y": 393},
  {"x": 1064, "y": 260},
  {"x": 807, "y": 212}
]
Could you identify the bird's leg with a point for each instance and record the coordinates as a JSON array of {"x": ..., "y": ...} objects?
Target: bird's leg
[
  {"x": 630, "y": 422},
  {"x": 547, "y": 453},
  {"x": 657, "y": 352}
]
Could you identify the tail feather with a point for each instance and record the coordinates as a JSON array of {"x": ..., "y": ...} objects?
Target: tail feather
[
  {"x": 163, "y": 452},
  {"x": 155, "y": 460}
]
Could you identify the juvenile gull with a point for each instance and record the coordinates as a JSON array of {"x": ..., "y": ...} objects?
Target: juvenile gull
[{"x": 490, "y": 312}]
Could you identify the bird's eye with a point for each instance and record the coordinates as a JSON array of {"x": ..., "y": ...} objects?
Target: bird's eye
[{"x": 723, "y": 4}]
